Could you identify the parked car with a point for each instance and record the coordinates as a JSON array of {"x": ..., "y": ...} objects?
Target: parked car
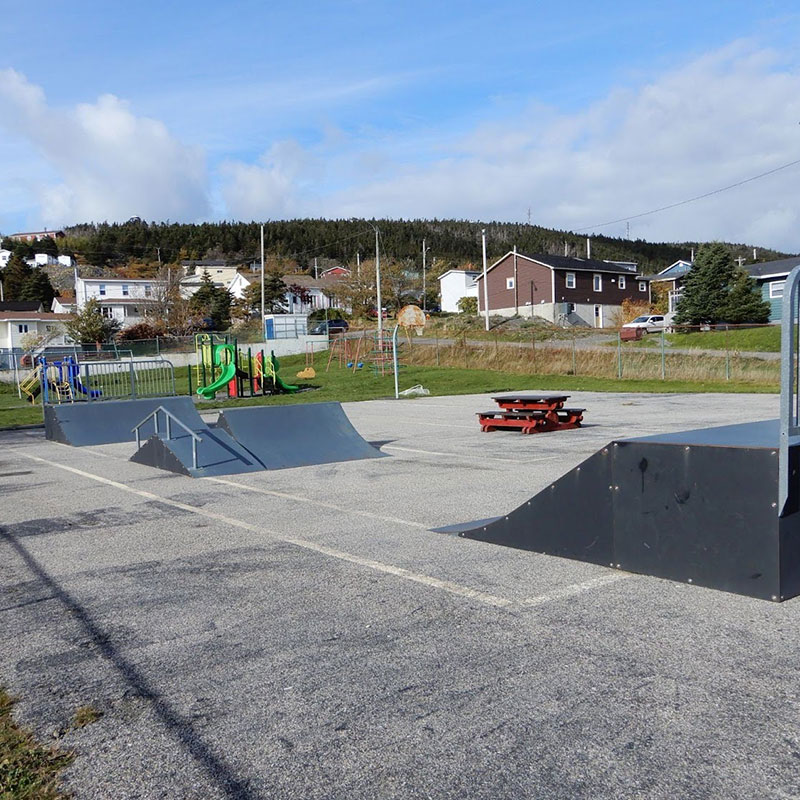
[
  {"x": 329, "y": 326},
  {"x": 649, "y": 323}
]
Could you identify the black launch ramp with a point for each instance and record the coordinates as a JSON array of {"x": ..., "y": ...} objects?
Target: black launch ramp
[
  {"x": 299, "y": 435},
  {"x": 699, "y": 506},
  {"x": 108, "y": 421}
]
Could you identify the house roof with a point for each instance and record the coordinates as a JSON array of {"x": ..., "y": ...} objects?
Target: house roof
[
  {"x": 471, "y": 272},
  {"x": 567, "y": 263},
  {"x": 20, "y": 305},
  {"x": 23, "y": 316},
  {"x": 133, "y": 281},
  {"x": 773, "y": 268}
]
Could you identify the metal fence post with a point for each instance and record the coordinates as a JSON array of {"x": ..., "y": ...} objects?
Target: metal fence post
[
  {"x": 133, "y": 380},
  {"x": 663, "y": 359},
  {"x": 574, "y": 363},
  {"x": 619, "y": 355},
  {"x": 727, "y": 357}
]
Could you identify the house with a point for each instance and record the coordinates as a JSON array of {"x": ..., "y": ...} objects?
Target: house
[
  {"x": 334, "y": 272},
  {"x": 20, "y": 305},
  {"x": 673, "y": 277},
  {"x": 455, "y": 284},
  {"x": 5, "y": 257},
  {"x": 306, "y": 294},
  {"x": 582, "y": 291},
  {"x": 42, "y": 260},
  {"x": 122, "y": 299},
  {"x": 33, "y": 236},
  {"x": 15, "y": 326},
  {"x": 770, "y": 277},
  {"x": 221, "y": 274}
]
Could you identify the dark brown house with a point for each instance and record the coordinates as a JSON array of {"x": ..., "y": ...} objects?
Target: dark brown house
[{"x": 580, "y": 290}]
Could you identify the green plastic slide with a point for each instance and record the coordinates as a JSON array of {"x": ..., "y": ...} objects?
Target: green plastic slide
[
  {"x": 228, "y": 371},
  {"x": 286, "y": 387}
]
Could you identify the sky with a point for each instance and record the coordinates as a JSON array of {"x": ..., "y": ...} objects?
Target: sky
[{"x": 568, "y": 114}]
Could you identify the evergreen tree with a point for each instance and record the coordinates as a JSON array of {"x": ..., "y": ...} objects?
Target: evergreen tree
[
  {"x": 213, "y": 302},
  {"x": 705, "y": 292},
  {"x": 38, "y": 288},
  {"x": 90, "y": 326},
  {"x": 744, "y": 303},
  {"x": 15, "y": 276}
]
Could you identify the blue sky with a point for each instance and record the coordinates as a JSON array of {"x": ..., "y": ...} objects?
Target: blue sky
[{"x": 582, "y": 112}]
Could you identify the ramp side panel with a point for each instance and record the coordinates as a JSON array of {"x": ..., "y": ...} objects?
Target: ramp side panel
[
  {"x": 571, "y": 518},
  {"x": 698, "y": 514},
  {"x": 281, "y": 437},
  {"x": 217, "y": 454},
  {"x": 109, "y": 421}
]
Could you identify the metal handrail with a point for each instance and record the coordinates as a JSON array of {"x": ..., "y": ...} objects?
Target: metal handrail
[{"x": 169, "y": 416}]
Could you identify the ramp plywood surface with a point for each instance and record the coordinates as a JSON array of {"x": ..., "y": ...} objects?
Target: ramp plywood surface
[{"x": 280, "y": 437}]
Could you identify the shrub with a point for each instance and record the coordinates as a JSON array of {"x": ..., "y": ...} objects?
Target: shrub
[
  {"x": 141, "y": 330},
  {"x": 468, "y": 305}
]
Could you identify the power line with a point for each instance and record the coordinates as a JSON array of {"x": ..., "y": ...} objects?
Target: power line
[{"x": 690, "y": 200}]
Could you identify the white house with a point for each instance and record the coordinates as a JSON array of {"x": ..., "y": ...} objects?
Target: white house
[
  {"x": 5, "y": 255},
  {"x": 455, "y": 284},
  {"x": 16, "y": 325},
  {"x": 125, "y": 300},
  {"x": 306, "y": 294},
  {"x": 42, "y": 260}
]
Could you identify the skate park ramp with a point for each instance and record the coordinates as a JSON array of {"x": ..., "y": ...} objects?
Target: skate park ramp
[
  {"x": 217, "y": 453},
  {"x": 109, "y": 421},
  {"x": 301, "y": 435},
  {"x": 700, "y": 507}
]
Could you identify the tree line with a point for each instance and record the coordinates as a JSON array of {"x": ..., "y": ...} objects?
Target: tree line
[{"x": 294, "y": 244}]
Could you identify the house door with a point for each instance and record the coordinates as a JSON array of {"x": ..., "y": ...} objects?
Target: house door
[{"x": 598, "y": 316}]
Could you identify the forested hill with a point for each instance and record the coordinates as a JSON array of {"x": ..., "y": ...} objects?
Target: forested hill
[{"x": 295, "y": 243}]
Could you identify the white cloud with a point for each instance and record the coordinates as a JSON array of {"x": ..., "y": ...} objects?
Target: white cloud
[
  {"x": 109, "y": 163},
  {"x": 722, "y": 118}
]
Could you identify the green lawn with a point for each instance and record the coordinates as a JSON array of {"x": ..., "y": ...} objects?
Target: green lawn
[
  {"x": 752, "y": 340},
  {"x": 343, "y": 385}
]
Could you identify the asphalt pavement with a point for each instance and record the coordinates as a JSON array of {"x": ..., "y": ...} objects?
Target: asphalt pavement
[{"x": 302, "y": 634}]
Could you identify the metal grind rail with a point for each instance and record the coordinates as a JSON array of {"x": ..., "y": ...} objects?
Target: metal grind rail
[
  {"x": 122, "y": 380},
  {"x": 169, "y": 418},
  {"x": 790, "y": 386}
]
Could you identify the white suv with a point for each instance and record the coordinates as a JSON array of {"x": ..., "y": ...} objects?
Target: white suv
[{"x": 649, "y": 323}]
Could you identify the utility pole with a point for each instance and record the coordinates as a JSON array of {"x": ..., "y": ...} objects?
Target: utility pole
[
  {"x": 516, "y": 294},
  {"x": 378, "y": 287},
  {"x": 628, "y": 231},
  {"x": 424, "y": 285},
  {"x": 740, "y": 260},
  {"x": 158, "y": 252},
  {"x": 485, "y": 283},
  {"x": 358, "y": 263},
  {"x": 315, "y": 268},
  {"x": 263, "y": 331}
]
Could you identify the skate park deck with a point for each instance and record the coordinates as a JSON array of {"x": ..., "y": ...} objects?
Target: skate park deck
[{"x": 301, "y": 633}]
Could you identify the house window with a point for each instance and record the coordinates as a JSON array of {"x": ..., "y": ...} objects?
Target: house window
[
  {"x": 22, "y": 328},
  {"x": 621, "y": 282},
  {"x": 102, "y": 290},
  {"x": 598, "y": 282},
  {"x": 642, "y": 286},
  {"x": 125, "y": 291},
  {"x": 131, "y": 311},
  {"x": 148, "y": 290},
  {"x": 776, "y": 289},
  {"x": 509, "y": 283},
  {"x": 570, "y": 280},
  {"x": 107, "y": 312}
]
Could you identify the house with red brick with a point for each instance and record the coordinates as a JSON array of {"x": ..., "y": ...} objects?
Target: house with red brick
[{"x": 582, "y": 291}]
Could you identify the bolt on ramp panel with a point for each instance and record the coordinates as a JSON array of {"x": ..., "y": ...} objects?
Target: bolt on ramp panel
[
  {"x": 109, "y": 421},
  {"x": 697, "y": 507},
  {"x": 300, "y": 435},
  {"x": 217, "y": 454}
]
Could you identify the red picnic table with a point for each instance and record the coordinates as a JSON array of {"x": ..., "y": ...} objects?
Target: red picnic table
[{"x": 531, "y": 413}]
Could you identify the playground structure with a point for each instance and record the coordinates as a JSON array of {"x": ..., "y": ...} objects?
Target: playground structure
[
  {"x": 717, "y": 507},
  {"x": 220, "y": 365},
  {"x": 68, "y": 380}
]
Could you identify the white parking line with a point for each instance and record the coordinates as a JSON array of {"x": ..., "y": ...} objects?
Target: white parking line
[
  {"x": 400, "y": 572},
  {"x": 468, "y": 456},
  {"x": 300, "y": 499}
]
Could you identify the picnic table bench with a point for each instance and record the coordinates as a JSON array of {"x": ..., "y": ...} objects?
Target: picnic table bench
[{"x": 531, "y": 413}]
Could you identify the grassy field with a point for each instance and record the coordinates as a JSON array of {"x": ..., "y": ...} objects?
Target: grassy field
[
  {"x": 766, "y": 339},
  {"x": 28, "y": 770},
  {"x": 485, "y": 372}
]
